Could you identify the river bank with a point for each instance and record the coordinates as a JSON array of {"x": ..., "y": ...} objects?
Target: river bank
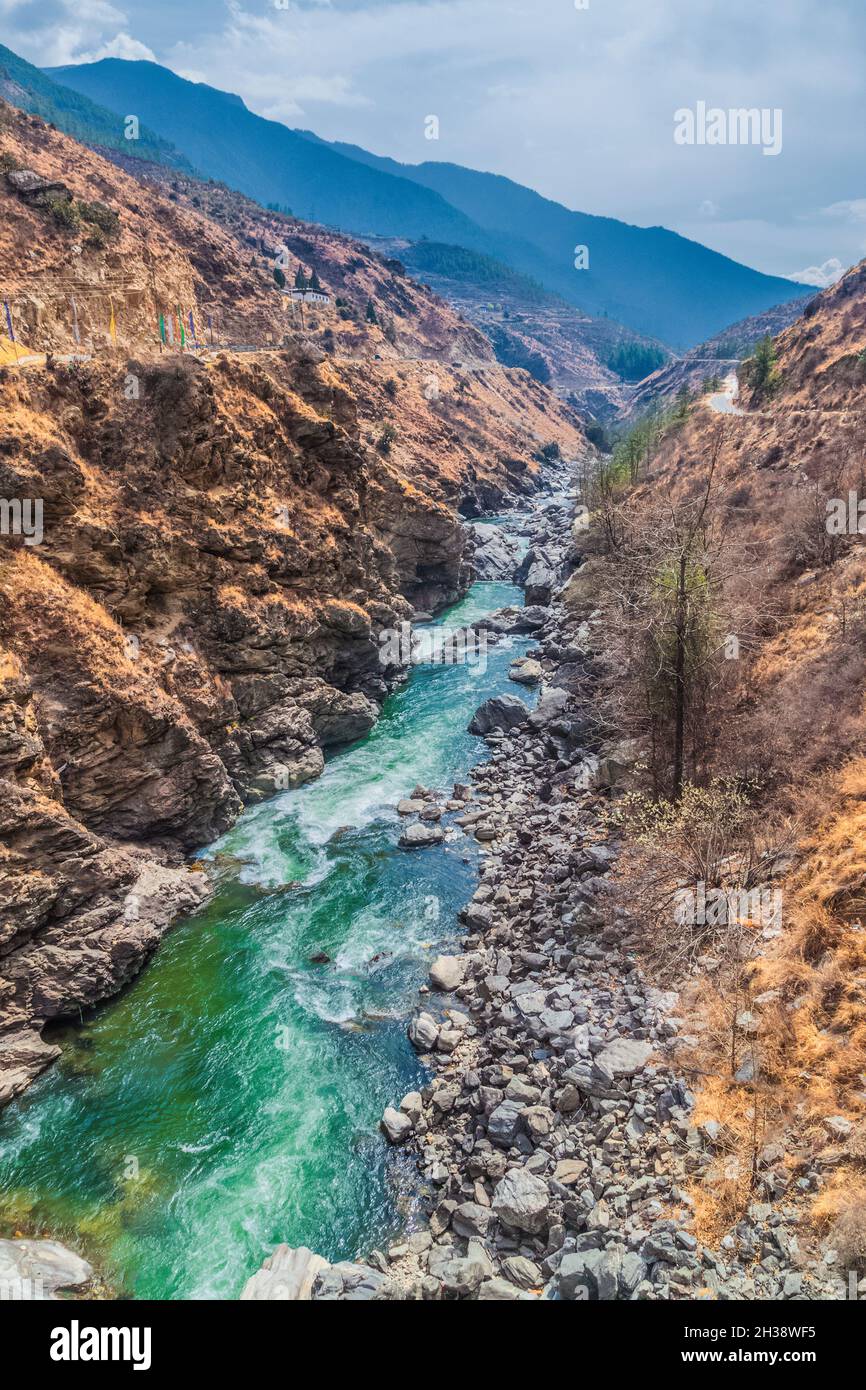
[
  {"x": 237, "y": 1084},
  {"x": 556, "y": 1134}
]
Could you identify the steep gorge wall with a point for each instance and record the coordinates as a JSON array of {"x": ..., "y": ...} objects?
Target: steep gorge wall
[{"x": 223, "y": 539}]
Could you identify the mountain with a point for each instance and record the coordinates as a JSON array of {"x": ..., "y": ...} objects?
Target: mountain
[
  {"x": 225, "y": 533},
  {"x": 654, "y": 280},
  {"x": 264, "y": 159},
  {"x": 776, "y": 710},
  {"x": 25, "y": 86},
  {"x": 715, "y": 358}
]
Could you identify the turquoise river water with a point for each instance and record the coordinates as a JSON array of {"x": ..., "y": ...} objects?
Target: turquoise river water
[{"x": 229, "y": 1099}]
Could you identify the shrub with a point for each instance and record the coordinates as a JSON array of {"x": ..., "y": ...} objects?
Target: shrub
[
  {"x": 100, "y": 215},
  {"x": 65, "y": 213},
  {"x": 386, "y": 439}
]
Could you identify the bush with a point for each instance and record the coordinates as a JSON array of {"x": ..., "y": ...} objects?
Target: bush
[
  {"x": 386, "y": 439},
  {"x": 100, "y": 216},
  {"x": 65, "y": 213}
]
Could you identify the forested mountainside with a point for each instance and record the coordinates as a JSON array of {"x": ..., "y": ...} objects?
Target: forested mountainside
[{"x": 655, "y": 281}]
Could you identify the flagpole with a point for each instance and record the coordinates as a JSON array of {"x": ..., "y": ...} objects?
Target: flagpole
[{"x": 11, "y": 329}]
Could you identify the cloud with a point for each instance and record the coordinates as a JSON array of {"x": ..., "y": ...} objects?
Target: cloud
[
  {"x": 577, "y": 104},
  {"x": 848, "y": 210},
  {"x": 121, "y": 46},
  {"x": 821, "y": 276}
]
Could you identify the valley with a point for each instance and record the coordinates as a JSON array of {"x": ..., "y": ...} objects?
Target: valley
[{"x": 431, "y": 730}]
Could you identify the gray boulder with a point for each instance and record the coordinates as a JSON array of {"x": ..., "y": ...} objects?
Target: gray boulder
[
  {"x": 36, "y": 1269},
  {"x": 419, "y": 835},
  {"x": 446, "y": 973},
  {"x": 423, "y": 1032},
  {"x": 522, "y": 1201},
  {"x": 502, "y": 712},
  {"x": 395, "y": 1126}
]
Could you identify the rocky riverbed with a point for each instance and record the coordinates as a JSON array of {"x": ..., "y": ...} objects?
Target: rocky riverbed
[{"x": 555, "y": 1138}]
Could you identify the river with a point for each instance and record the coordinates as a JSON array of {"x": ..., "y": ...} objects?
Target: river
[{"x": 229, "y": 1099}]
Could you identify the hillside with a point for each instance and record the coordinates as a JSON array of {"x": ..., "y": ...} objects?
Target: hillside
[
  {"x": 526, "y": 324},
  {"x": 715, "y": 358},
  {"x": 225, "y": 535},
  {"x": 774, "y": 733},
  {"x": 23, "y": 85},
  {"x": 651, "y": 279},
  {"x": 656, "y": 282}
]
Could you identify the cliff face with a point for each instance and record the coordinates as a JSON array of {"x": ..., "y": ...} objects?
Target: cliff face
[
  {"x": 786, "y": 720},
  {"x": 223, "y": 538}
]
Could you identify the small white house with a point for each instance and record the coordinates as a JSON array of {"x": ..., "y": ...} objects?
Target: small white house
[{"x": 308, "y": 296}]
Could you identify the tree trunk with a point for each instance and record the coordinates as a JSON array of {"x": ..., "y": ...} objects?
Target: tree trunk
[{"x": 680, "y": 678}]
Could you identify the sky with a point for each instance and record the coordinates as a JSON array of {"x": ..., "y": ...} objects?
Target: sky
[{"x": 575, "y": 98}]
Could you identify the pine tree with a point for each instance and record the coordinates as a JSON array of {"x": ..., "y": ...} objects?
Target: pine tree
[
  {"x": 370, "y": 312},
  {"x": 314, "y": 282},
  {"x": 300, "y": 279},
  {"x": 762, "y": 372}
]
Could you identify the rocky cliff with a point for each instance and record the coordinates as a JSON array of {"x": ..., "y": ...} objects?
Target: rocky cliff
[{"x": 223, "y": 536}]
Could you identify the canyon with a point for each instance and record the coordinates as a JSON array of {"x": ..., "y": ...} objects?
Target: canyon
[
  {"x": 252, "y": 521},
  {"x": 572, "y": 1100}
]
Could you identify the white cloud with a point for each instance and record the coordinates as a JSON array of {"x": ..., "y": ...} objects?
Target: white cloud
[
  {"x": 821, "y": 276},
  {"x": 575, "y": 104},
  {"x": 848, "y": 210},
  {"x": 121, "y": 46}
]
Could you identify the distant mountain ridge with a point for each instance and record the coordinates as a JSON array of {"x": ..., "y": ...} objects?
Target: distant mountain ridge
[
  {"x": 25, "y": 86},
  {"x": 654, "y": 280}
]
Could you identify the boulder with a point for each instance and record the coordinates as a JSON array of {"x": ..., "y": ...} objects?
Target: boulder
[
  {"x": 395, "y": 1126},
  {"x": 36, "y": 1269},
  {"x": 446, "y": 973},
  {"x": 287, "y": 1275},
  {"x": 502, "y": 712},
  {"x": 522, "y": 1201},
  {"x": 503, "y": 1123},
  {"x": 525, "y": 671},
  {"x": 348, "y": 1282},
  {"x": 412, "y": 1106},
  {"x": 624, "y": 1057},
  {"x": 551, "y": 706},
  {"x": 420, "y": 835},
  {"x": 423, "y": 1032}
]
